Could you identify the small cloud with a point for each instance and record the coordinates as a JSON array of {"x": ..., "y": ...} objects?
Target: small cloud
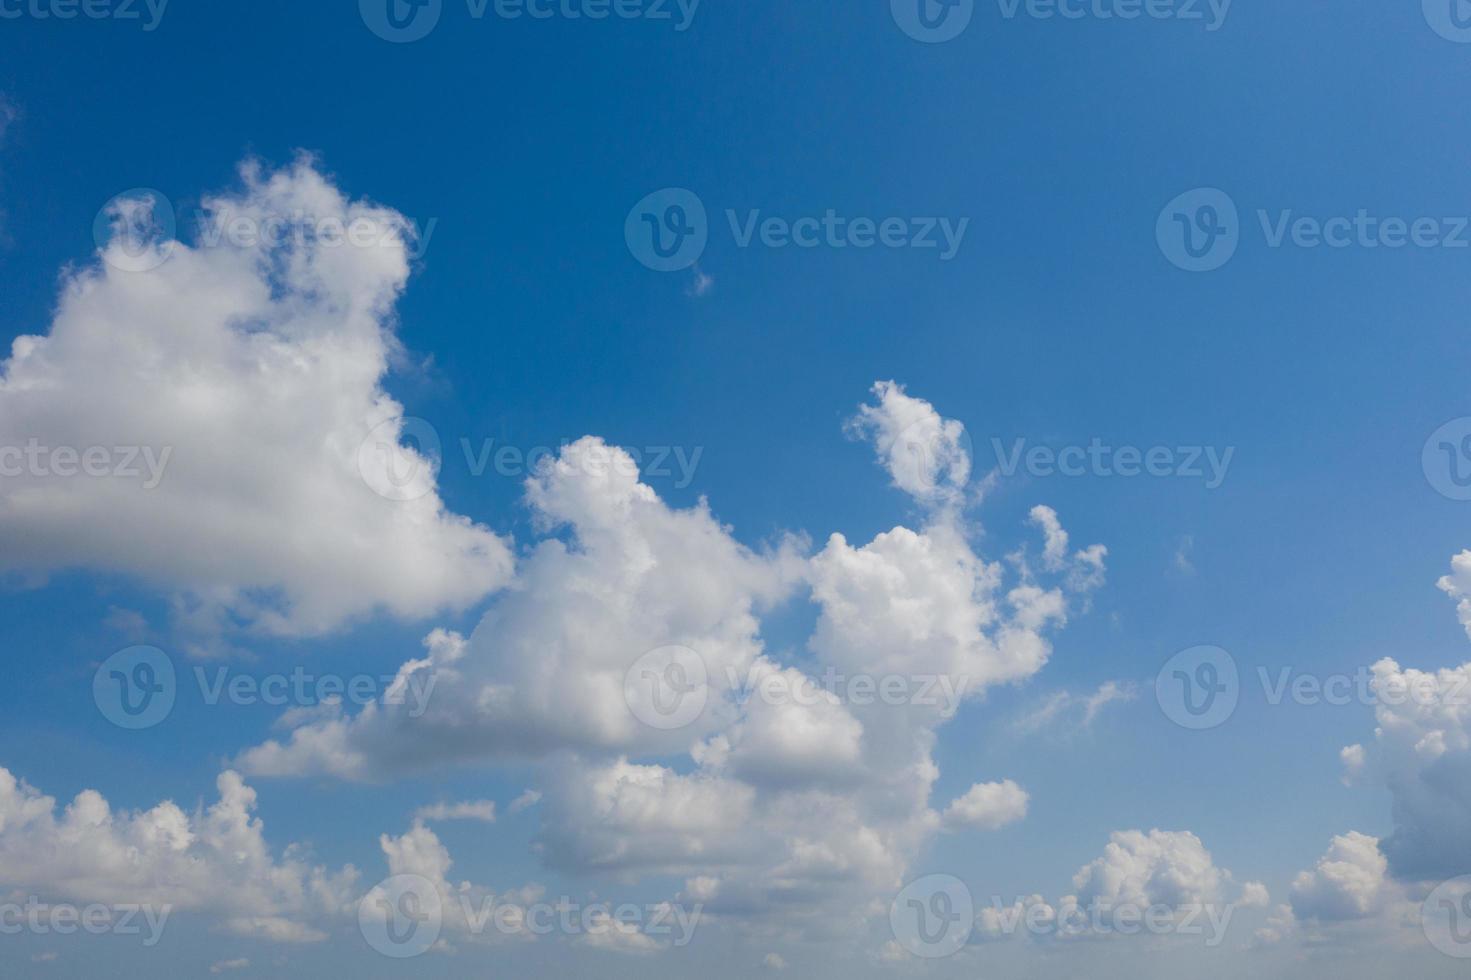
[
  {"x": 224, "y": 966},
  {"x": 43, "y": 958},
  {"x": 701, "y": 284},
  {"x": 525, "y": 801},
  {"x": 482, "y": 810},
  {"x": 774, "y": 961},
  {"x": 1353, "y": 758},
  {"x": 1067, "y": 713},
  {"x": 128, "y": 622},
  {"x": 1184, "y": 555}
]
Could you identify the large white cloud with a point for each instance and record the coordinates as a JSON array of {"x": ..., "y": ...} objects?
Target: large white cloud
[
  {"x": 785, "y": 791},
  {"x": 255, "y": 362}
]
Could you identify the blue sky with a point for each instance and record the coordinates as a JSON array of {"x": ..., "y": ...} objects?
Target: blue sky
[{"x": 1052, "y": 149}]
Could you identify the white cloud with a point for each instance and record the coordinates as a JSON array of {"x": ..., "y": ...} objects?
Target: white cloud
[
  {"x": 811, "y": 805},
  {"x": 926, "y": 455},
  {"x": 1347, "y": 883},
  {"x": 225, "y": 966},
  {"x": 214, "y": 861},
  {"x": 773, "y": 961},
  {"x": 1423, "y": 750},
  {"x": 1457, "y": 585},
  {"x": 251, "y": 374},
  {"x": 988, "y": 806},
  {"x": 1064, "y": 712}
]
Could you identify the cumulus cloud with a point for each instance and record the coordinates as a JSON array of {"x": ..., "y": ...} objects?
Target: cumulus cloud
[
  {"x": 988, "y": 806},
  {"x": 214, "y": 860},
  {"x": 1423, "y": 750},
  {"x": 926, "y": 455},
  {"x": 781, "y": 792},
  {"x": 240, "y": 378},
  {"x": 1347, "y": 883},
  {"x": 1457, "y": 585}
]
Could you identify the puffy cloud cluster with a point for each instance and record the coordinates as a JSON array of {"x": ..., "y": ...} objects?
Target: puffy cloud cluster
[
  {"x": 214, "y": 860},
  {"x": 791, "y": 795},
  {"x": 245, "y": 371},
  {"x": 1423, "y": 752}
]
